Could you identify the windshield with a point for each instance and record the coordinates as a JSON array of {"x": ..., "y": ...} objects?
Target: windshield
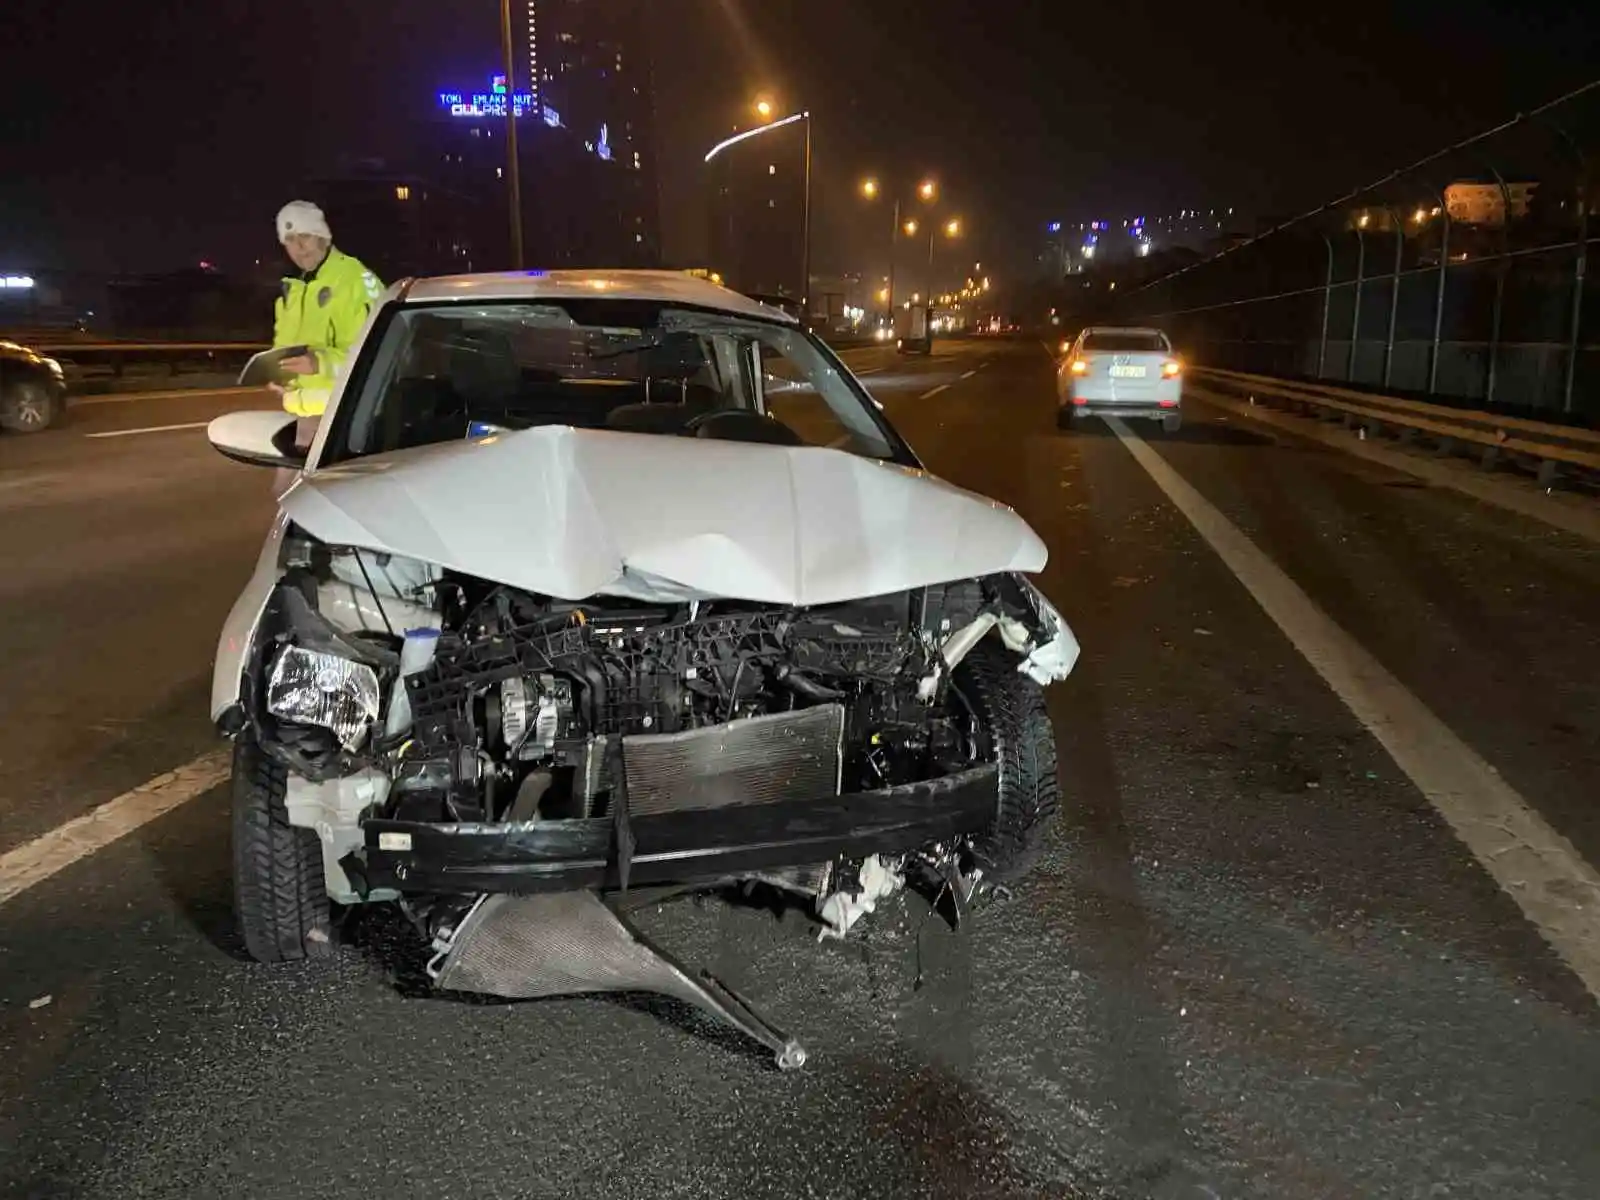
[
  {"x": 1127, "y": 341},
  {"x": 448, "y": 372}
]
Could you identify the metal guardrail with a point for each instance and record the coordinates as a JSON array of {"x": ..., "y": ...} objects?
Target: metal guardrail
[
  {"x": 86, "y": 361},
  {"x": 69, "y": 349},
  {"x": 1547, "y": 448}
]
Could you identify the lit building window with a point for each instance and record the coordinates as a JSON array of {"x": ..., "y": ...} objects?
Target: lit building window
[{"x": 402, "y": 192}]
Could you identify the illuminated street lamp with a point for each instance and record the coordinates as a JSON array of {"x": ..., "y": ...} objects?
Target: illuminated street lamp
[
  {"x": 952, "y": 228},
  {"x": 871, "y": 189},
  {"x": 764, "y": 109}
]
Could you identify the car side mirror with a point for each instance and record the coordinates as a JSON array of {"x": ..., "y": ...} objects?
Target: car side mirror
[{"x": 260, "y": 439}]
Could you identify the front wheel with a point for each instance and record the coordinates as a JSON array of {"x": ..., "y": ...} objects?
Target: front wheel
[
  {"x": 280, "y": 898},
  {"x": 28, "y": 406},
  {"x": 1011, "y": 711}
]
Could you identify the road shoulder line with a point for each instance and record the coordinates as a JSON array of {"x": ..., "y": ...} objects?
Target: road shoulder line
[
  {"x": 50, "y": 853},
  {"x": 1556, "y": 888}
]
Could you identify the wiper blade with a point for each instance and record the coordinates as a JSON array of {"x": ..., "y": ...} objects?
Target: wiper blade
[{"x": 649, "y": 341}]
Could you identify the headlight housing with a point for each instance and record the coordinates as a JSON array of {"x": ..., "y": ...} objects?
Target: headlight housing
[{"x": 309, "y": 687}]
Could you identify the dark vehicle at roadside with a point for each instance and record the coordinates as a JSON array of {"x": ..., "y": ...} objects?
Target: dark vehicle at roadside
[{"x": 33, "y": 389}]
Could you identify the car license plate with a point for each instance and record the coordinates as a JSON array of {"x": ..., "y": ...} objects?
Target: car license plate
[{"x": 1127, "y": 372}]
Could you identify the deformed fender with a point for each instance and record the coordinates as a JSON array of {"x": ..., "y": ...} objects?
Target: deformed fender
[
  {"x": 1050, "y": 649},
  {"x": 239, "y": 630}
]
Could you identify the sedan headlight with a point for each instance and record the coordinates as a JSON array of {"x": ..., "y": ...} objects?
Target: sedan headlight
[{"x": 333, "y": 693}]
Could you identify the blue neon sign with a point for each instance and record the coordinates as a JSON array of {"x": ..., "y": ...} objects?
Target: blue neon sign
[{"x": 491, "y": 103}]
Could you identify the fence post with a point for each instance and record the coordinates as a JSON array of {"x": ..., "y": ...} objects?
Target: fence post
[
  {"x": 1580, "y": 265},
  {"x": 1438, "y": 300},
  {"x": 1499, "y": 287},
  {"x": 1327, "y": 304},
  {"x": 1394, "y": 293},
  {"x": 1355, "y": 313}
]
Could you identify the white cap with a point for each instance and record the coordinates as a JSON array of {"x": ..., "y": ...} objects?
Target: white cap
[{"x": 302, "y": 216}]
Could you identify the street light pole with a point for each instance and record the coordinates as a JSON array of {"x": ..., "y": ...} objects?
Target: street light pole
[
  {"x": 894, "y": 244},
  {"x": 513, "y": 164},
  {"x": 805, "y": 241},
  {"x": 805, "y": 244}
]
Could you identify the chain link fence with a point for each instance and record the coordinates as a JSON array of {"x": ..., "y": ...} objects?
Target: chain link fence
[{"x": 1463, "y": 278}]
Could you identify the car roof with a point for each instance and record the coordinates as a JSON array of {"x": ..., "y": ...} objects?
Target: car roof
[{"x": 671, "y": 287}]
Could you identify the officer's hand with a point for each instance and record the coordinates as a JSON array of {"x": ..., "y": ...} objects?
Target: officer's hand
[{"x": 300, "y": 364}]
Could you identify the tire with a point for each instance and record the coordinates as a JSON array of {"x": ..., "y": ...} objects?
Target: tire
[
  {"x": 280, "y": 898},
  {"x": 1171, "y": 423},
  {"x": 28, "y": 406},
  {"x": 1063, "y": 419},
  {"x": 1011, "y": 708}
]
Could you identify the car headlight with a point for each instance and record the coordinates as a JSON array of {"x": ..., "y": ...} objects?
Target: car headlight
[
  {"x": 333, "y": 693},
  {"x": 53, "y": 367}
]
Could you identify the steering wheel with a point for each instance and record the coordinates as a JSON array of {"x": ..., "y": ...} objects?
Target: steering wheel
[{"x": 741, "y": 421}]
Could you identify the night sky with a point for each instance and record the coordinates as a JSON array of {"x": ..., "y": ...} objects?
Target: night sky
[{"x": 149, "y": 136}]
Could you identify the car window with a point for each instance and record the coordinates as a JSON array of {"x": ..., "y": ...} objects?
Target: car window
[
  {"x": 1124, "y": 341},
  {"x": 790, "y": 395},
  {"x": 448, "y": 372}
]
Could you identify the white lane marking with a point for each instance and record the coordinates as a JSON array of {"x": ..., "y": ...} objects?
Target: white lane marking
[
  {"x": 929, "y": 395},
  {"x": 970, "y": 373},
  {"x": 148, "y": 429},
  {"x": 1556, "y": 888},
  {"x": 178, "y": 394},
  {"x": 35, "y": 861}
]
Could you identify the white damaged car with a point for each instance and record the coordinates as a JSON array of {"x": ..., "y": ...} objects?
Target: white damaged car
[{"x": 600, "y": 585}]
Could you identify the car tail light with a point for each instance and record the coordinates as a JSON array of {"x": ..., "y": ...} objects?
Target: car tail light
[
  {"x": 1167, "y": 403},
  {"x": 1080, "y": 366},
  {"x": 1171, "y": 370},
  {"x": 1080, "y": 399}
]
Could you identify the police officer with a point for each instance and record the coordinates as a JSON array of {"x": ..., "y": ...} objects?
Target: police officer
[{"x": 321, "y": 308}]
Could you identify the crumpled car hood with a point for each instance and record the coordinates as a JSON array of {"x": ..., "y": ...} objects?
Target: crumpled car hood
[{"x": 575, "y": 513}]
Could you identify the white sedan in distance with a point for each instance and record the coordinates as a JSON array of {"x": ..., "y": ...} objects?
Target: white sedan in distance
[{"x": 1122, "y": 372}]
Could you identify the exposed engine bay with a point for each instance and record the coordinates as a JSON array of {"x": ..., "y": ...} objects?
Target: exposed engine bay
[{"x": 416, "y": 708}]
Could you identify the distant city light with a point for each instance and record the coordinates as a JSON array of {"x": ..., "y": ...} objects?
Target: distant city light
[
  {"x": 16, "y": 283},
  {"x": 1055, "y": 226}
]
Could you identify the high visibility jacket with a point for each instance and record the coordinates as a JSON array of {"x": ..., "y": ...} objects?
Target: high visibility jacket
[{"x": 323, "y": 310}]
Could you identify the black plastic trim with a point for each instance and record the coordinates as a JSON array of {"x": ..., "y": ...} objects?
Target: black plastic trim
[{"x": 682, "y": 847}]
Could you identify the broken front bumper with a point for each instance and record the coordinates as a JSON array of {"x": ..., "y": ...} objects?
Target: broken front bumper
[{"x": 680, "y": 847}]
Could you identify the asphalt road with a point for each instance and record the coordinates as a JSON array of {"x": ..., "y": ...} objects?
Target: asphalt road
[{"x": 1256, "y": 962}]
